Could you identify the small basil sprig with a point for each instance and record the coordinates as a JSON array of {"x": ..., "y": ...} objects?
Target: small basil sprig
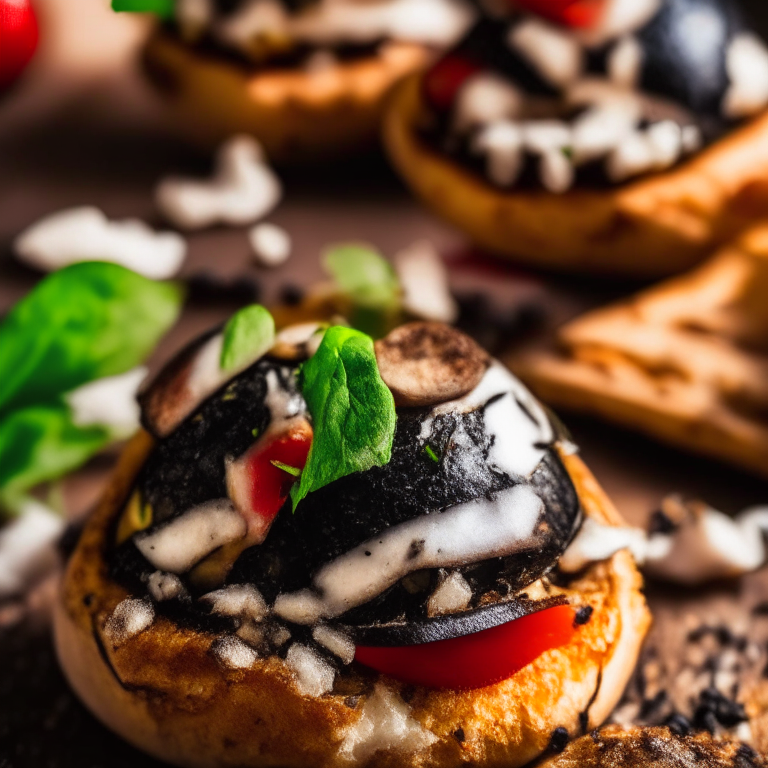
[
  {"x": 249, "y": 334},
  {"x": 353, "y": 412},
  {"x": 163, "y": 8},
  {"x": 82, "y": 323},
  {"x": 370, "y": 283}
]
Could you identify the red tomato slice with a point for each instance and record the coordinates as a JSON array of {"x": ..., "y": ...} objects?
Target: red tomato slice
[
  {"x": 572, "y": 13},
  {"x": 18, "y": 38},
  {"x": 476, "y": 660},
  {"x": 442, "y": 81},
  {"x": 258, "y": 485}
]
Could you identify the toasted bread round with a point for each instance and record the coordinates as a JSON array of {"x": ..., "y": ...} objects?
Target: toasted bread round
[
  {"x": 629, "y": 747},
  {"x": 165, "y": 692},
  {"x": 298, "y": 115},
  {"x": 656, "y": 226}
]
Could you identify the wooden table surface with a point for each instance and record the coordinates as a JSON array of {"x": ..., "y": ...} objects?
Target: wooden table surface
[{"x": 84, "y": 129}]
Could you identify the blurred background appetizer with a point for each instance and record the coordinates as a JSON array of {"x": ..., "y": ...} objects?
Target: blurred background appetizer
[
  {"x": 308, "y": 78},
  {"x": 621, "y": 137}
]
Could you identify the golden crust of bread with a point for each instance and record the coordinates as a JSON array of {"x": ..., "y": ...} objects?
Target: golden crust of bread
[
  {"x": 641, "y": 747},
  {"x": 164, "y": 691},
  {"x": 685, "y": 361},
  {"x": 653, "y": 227},
  {"x": 298, "y": 115}
]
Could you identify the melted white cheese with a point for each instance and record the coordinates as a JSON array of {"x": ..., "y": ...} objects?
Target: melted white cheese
[
  {"x": 707, "y": 545},
  {"x": 85, "y": 234},
  {"x": 516, "y": 422},
  {"x": 185, "y": 540},
  {"x": 476, "y": 530},
  {"x": 109, "y": 402},
  {"x": 242, "y": 190}
]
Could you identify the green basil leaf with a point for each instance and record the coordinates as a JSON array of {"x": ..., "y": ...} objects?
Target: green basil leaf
[
  {"x": 166, "y": 9},
  {"x": 41, "y": 443},
  {"x": 353, "y": 412},
  {"x": 84, "y": 322},
  {"x": 370, "y": 282},
  {"x": 248, "y": 335}
]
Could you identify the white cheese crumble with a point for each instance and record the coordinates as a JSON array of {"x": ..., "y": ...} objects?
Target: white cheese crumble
[
  {"x": 747, "y": 67},
  {"x": 185, "y": 540},
  {"x": 271, "y": 245},
  {"x": 424, "y": 282},
  {"x": 625, "y": 62},
  {"x": 335, "y": 641},
  {"x": 385, "y": 724},
  {"x": 109, "y": 402},
  {"x": 242, "y": 190},
  {"x": 313, "y": 675},
  {"x": 131, "y": 616},
  {"x": 502, "y": 144},
  {"x": 553, "y": 52},
  {"x": 28, "y": 547},
  {"x": 238, "y": 601},
  {"x": 232, "y": 652},
  {"x": 165, "y": 586},
  {"x": 85, "y": 234},
  {"x": 485, "y": 98},
  {"x": 452, "y": 595}
]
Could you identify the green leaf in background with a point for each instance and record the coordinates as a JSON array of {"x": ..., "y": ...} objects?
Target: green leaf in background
[
  {"x": 163, "y": 8},
  {"x": 41, "y": 443},
  {"x": 248, "y": 335},
  {"x": 370, "y": 282},
  {"x": 82, "y": 323},
  {"x": 353, "y": 412}
]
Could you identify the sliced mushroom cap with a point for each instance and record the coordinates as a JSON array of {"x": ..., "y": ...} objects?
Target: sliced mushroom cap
[
  {"x": 169, "y": 398},
  {"x": 428, "y": 363}
]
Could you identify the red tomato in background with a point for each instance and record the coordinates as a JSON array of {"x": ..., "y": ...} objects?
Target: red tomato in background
[
  {"x": 572, "y": 13},
  {"x": 18, "y": 38},
  {"x": 477, "y": 660},
  {"x": 443, "y": 80}
]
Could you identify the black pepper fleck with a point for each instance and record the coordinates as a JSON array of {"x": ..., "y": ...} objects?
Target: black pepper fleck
[
  {"x": 459, "y": 734},
  {"x": 558, "y": 739},
  {"x": 583, "y": 615}
]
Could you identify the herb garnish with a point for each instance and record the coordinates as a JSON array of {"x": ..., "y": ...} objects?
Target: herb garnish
[
  {"x": 82, "y": 323},
  {"x": 431, "y": 453},
  {"x": 295, "y": 471},
  {"x": 248, "y": 335},
  {"x": 371, "y": 284},
  {"x": 163, "y": 8},
  {"x": 353, "y": 412}
]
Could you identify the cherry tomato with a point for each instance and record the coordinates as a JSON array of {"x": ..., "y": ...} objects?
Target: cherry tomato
[
  {"x": 572, "y": 13},
  {"x": 264, "y": 477},
  {"x": 18, "y": 38},
  {"x": 443, "y": 80},
  {"x": 477, "y": 660}
]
